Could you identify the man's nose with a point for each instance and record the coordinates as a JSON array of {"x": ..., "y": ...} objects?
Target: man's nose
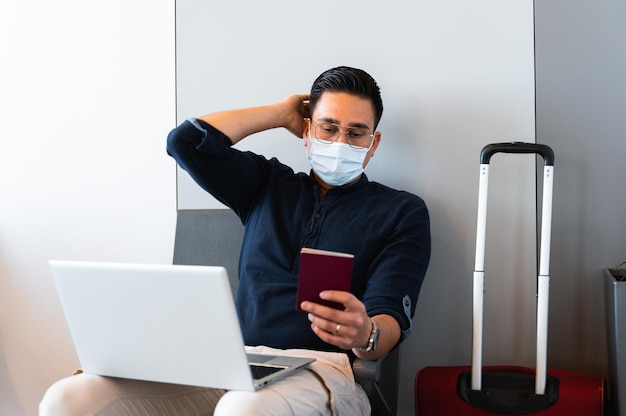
[{"x": 343, "y": 136}]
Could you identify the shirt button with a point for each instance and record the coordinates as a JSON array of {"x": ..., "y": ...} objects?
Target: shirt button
[{"x": 317, "y": 215}]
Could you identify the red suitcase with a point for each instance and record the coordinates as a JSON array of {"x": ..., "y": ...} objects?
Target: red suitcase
[{"x": 478, "y": 390}]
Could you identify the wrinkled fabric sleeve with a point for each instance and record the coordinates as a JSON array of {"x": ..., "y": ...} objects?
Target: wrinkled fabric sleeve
[
  {"x": 233, "y": 177},
  {"x": 398, "y": 271}
]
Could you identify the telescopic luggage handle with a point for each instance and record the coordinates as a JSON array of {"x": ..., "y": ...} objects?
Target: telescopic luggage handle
[
  {"x": 517, "y": 147},
  {"x": 544, "y": 260}
]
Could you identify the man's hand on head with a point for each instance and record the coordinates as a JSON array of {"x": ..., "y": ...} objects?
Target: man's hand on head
[{"x": 296, "y": 109}]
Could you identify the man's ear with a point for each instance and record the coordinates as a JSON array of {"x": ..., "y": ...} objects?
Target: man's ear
[
  {"x": 377, "y": 137},
  {"x": 305, "y": 130},
  {"x": 372, "y": 150}
]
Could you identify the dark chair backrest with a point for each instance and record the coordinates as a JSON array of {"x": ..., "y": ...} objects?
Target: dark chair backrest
[
  {"x": 212, "y": 237},
  {"x": 209, "y": 237}
]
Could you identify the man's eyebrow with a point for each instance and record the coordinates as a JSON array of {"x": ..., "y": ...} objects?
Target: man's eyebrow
[{"x": 352, "y": 125}]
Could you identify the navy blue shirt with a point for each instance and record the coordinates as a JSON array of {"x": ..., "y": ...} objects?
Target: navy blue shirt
[{"x": 387, "y": 230}]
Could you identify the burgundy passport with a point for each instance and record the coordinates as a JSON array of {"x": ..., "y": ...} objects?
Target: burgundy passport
[{"x": 323, "y": 270}]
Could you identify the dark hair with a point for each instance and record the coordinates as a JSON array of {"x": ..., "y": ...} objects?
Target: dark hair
[{"x": 352, "y": 81}]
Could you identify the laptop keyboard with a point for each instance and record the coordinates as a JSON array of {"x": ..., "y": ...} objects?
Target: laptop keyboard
[{"x": 260, "y": 371}]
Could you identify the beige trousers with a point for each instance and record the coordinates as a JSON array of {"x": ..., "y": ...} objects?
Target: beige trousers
[{"x": 325, "y": 387}]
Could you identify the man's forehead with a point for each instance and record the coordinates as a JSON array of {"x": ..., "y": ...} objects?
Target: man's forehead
[{"x": 344, "y": 109}]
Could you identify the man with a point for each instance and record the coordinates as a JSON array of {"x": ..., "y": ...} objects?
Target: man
[{"x": 335, "y": 207}]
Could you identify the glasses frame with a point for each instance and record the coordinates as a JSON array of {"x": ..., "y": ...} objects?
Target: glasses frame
[{"x": 346, "y": 129}]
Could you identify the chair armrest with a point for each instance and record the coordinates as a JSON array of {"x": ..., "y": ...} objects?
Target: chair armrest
[
  {"x": 366, "y": 371},
  {"x": 379, "y": 379}
]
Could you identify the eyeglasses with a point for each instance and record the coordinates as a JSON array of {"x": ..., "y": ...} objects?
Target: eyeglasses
[{"x": 357, "y": 137}]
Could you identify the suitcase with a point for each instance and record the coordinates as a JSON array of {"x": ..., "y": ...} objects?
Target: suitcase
[{"x": 509, "y": 390}]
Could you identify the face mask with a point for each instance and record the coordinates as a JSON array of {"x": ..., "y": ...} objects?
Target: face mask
[{"x": 336, "y": 163}]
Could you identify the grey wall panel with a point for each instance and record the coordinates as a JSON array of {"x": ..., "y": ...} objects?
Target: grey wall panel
[
  {"x": 455, "y": 75},
  {"x": 581, "y": 113}
]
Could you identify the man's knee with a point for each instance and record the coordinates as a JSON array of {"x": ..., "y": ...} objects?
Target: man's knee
[
  {"x": 65, "y": 397},
  {"x": 268, "y": 403}
]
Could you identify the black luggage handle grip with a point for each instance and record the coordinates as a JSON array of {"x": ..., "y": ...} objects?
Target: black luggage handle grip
[{"x": 517, "y": 147}]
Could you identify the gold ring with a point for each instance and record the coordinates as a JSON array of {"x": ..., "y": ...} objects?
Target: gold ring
[{"x": 337, "y": 329}]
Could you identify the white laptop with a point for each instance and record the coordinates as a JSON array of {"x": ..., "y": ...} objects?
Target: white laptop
[{"x": 166, "y": 323}]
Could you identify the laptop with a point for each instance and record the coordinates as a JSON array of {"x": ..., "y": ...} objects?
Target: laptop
[{"x": 165, "y": 323}]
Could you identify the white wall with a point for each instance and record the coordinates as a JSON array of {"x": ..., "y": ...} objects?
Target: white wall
[{"x": 87, "y": 98}]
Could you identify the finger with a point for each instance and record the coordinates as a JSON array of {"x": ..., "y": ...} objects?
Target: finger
[
  {"x": 342, "y": 339},
  {"x": 337, "y": 328},
  {"x": 352, "y": 314},
  {"x": 306, "y": 113},
  {"x": 326, "y": 317},
  {"x": 326, "y": 325},
  {"x": 347, "y": 299}
]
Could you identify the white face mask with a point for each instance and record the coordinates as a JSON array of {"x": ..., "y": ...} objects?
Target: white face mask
[{"x": 336, "y": 163}]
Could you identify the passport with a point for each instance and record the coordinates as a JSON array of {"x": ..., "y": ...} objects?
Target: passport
[{"x": 323, "y": 270}]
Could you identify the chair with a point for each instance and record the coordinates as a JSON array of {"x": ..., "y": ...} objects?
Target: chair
[{"x": 213, "y": 237}]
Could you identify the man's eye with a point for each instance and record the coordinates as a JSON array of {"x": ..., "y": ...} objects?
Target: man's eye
[{"x": 357, "y": 134}]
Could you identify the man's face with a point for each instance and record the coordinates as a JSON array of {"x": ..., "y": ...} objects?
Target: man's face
[{"x": 346, "y": 110}]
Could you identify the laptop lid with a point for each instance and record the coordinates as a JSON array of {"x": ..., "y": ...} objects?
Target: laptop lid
[{"x": 166, "y": 323}]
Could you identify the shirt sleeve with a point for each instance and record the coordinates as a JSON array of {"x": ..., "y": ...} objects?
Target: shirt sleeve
[
  {"x": 233, "y": 177},
  {"x": 398, "y": 271}
]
